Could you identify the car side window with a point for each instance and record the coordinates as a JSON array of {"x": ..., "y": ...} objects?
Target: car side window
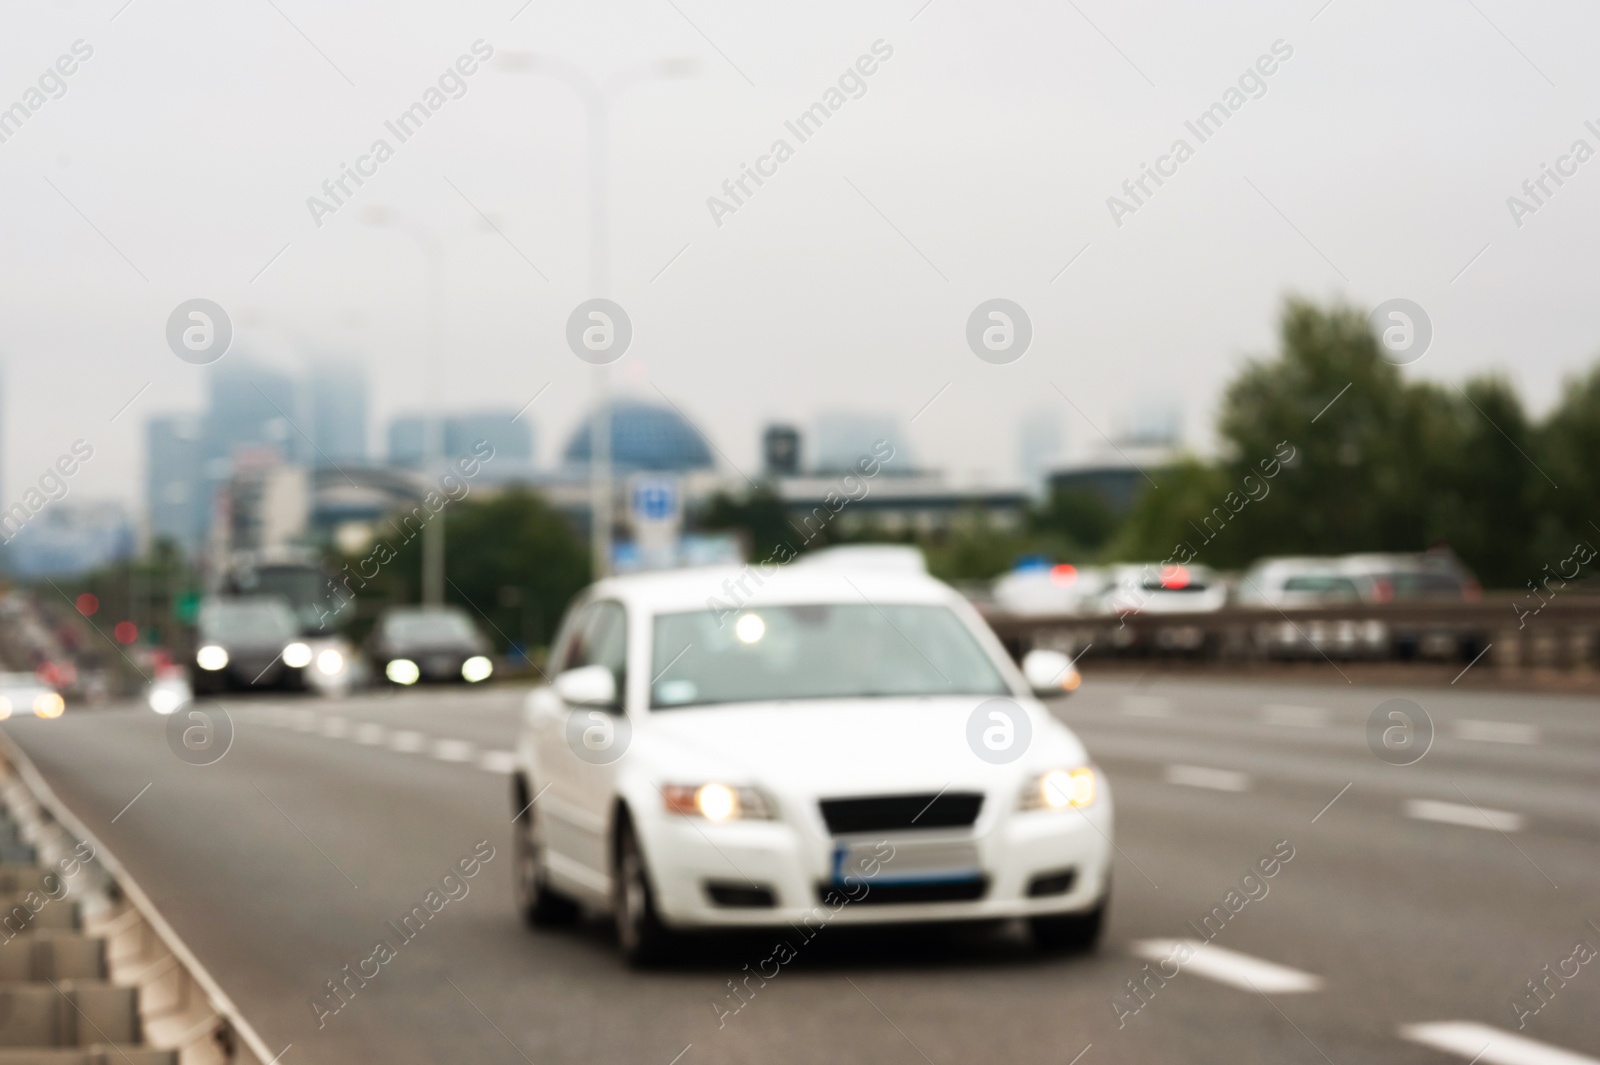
[
  {"x": 596, "y": 635},
  {"x": 571, "y": 652},
  {"x": 604, "y": 637}
]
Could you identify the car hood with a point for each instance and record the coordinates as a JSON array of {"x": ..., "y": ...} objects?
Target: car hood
[
  {"x": 846, "y": 746},
  {"x": 250, "y": 648}
]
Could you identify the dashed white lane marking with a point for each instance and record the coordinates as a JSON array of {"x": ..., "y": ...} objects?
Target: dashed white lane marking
[
  {"x": 498, "y": 761},
  {"x": 1147, "y": 706},
  {"x": 1294, "y": 716},
  {"x": 1497, "y": 732},
  {"x": 370, "y": 734},
  {"x": 1491, "y": 1046},
  {"x": 454, "y": 750},
  {"x": 1455, "y": 813},
  {"x": 1195, "y": 776},
  {"x": 1229, "y": 966},
  {"x": 408, "y": 742}
]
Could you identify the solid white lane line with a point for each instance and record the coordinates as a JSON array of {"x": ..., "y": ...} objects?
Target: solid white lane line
[
  {"x": 454, "y": 751},
  {"x": 1230, "y": 967},
  {"x": 1195, "y": 776},
  {"x": 1491, "y": 1046},
  {"x": 1497, "y": 732},
  {"x": 1455, "y": 813},
  {"x": 1294, "y": 716},
  {"x": 370, "y": 733},
  {"x": 1147, "y": 706},
  {"x": 408, "y": 742},
  {"x": 498, "y": 761}
]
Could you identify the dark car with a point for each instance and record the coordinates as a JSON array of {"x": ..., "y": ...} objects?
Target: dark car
[
  {"x": 248, "y": 642},
  {"x": 431, "y": 643}
]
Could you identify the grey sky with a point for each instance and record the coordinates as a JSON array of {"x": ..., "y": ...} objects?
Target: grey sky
[{"x": 976, "y": 165}]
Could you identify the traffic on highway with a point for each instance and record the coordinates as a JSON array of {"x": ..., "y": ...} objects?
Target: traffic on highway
[{"x": 700, "y": 533}]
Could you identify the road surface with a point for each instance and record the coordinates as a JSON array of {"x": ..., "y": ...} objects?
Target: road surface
[{"x": 1418, "y": 902}]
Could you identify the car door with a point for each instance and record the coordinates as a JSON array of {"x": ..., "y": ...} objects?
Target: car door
[{"x": 578, "y": 747}]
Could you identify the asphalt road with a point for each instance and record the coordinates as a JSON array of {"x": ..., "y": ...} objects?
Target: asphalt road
[{"x": 1424, "y": 894}]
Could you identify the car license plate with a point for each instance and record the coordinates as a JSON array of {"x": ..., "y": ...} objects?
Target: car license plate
[{"x": 905, "y": 862}]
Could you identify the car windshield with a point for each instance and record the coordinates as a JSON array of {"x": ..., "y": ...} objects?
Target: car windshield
[
  {"x": 443, "y": 626},
  {"x": 1323, "y": 584},
  {"x": 247, "y": 622},
  {"x": 816, "y": 651}
]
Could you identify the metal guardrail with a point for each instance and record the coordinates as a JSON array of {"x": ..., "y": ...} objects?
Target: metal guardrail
[
  {"x": 1503, "y": 630},
  {"x": 149, "y": 1000}
]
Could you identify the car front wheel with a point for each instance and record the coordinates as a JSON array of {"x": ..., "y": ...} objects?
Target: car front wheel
[
  {"x": 641, "y": 935},
  {"x": 539, "y": 906}
]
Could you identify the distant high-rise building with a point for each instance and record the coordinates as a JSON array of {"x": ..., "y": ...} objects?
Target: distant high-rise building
[
  {"x": 843, "y": 440},
  {"x": 72, "y": 536},
  {"x": 512, "y": 440},
  {"x": 338, "y": 414},
  {"x": 269, "y": 503},
  {"x": 175, "y": 500},
  {"x": 253, "y": 410},
  {"x": 1155, "y": 424},
  {"x": 253, "y": 404},
  {"x": 1039, "y": 448},
  {"x": 780, "y": 451},
  {"x": 458, "y": 434}
]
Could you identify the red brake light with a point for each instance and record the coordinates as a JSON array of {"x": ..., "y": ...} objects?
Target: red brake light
[{"x": 1174, "y": 577}]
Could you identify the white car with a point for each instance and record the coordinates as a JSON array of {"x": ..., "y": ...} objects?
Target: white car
[
  {"x": 799, "y": 747},
  {"x": 1060, "y": 589},
  {"x": 1153, "y": 588}
]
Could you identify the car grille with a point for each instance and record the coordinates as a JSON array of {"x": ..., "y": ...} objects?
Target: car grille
[
  {"x": 899, "y": 894},
  {"x": 899, "y": 813}
]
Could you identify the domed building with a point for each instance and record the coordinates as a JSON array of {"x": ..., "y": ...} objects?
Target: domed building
[{"x": 645, "y": 437}]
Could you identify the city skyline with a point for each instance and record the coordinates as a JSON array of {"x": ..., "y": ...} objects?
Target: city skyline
[{"x": 1176, "y": 296}]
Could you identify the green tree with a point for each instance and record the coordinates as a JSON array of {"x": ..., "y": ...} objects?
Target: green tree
[
  {"x": 759, "y": 516},
  {"x": 1568, "y": 447},
  {"x": 511, "y": 561},
  {"x": 1079, "y": 517}
]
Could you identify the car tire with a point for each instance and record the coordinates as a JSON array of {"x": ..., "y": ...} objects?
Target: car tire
[
  {"x": 1069, "y": 933},
  {"x": 539, "y": 904},
  {"x": 643, "y": 938}
]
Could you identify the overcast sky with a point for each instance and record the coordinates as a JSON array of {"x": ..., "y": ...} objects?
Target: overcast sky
[{"x": 1375, "y": 164}]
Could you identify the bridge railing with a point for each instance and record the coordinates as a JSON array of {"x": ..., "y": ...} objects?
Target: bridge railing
[{"x": 1503, "y": 632}]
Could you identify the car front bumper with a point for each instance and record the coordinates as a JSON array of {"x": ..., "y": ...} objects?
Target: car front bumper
[{"x": 690, "y": 858}]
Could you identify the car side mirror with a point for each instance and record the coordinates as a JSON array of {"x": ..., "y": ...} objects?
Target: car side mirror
[
  {"x": 1049, "y": 672},
  {"x": 588, "y": 686}
]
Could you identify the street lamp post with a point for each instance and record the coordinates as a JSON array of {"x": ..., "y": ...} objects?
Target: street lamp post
[
  {"x": 597, "y": 100},
  {"x": 432, "y": 425}
]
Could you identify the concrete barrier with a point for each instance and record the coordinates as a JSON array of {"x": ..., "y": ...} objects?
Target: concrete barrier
[{"x": 90, "y": 972}]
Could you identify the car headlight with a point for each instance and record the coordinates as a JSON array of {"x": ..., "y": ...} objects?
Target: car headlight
[
  {"x": 716, "y": 802},
  {"x": 1061, "y": 789},
  {"x": 49, "y": 704},
  {"x": 297, "y": 655},
  {"x": 330, "y": 662},
  {"x": 211, "y": 657},
  {"x": 165, "y": 698},
  {"x": 402, "y": 671},
  {"x": 5, "y": 708},
  {"x": 476, "y": 668}
]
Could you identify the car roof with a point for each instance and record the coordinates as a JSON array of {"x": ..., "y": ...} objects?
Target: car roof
[{"x": 671, "y": 591}]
